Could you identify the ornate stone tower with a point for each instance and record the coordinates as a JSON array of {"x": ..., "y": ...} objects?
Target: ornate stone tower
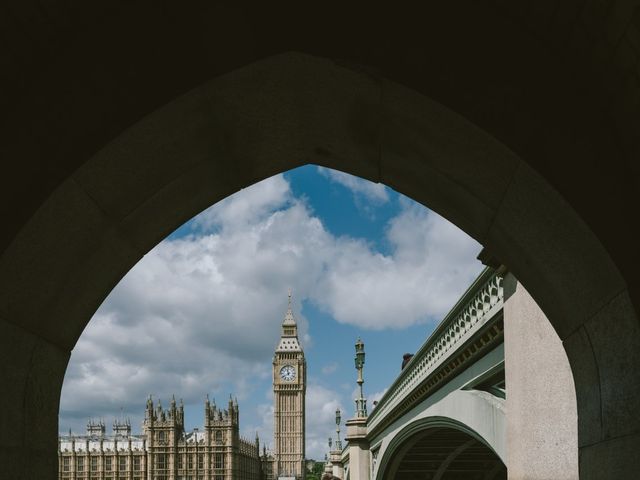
[
  {"x": 163, "y": 430},
  {"x": 289, "y": 388}
]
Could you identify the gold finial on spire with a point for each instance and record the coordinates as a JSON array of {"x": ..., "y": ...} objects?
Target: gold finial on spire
[{"x": 289, "y": 297}]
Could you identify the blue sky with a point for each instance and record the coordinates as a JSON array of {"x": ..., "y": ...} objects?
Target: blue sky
[{"x": 200, "y": 313}]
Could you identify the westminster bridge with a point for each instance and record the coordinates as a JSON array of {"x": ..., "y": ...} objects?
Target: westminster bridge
[{"x": 489, "y": 392}]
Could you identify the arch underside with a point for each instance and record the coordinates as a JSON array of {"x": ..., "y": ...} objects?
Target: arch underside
[
  {"x": 476, "y": 415},
  {"x": 442, "y": 453}
]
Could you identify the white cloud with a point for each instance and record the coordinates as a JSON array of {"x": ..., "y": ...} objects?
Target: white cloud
[
  {"x": 375, "y": 397},
  {"x": 202, "y": 313},
  {"x": 330, "y": 368},
  {"x": 321, "y": 404},
  {"x": 431, "y": 263},
  {"x": 248, "y": 206},
  {"x": 375, "y": 193},
  {"x": 178, "y": 321},
  {"x": 264, "y": 412}
]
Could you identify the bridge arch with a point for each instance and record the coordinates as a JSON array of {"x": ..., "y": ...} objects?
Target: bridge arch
[
  {"x": 266, "y": 118},
  {"x": 471, "y": 414}
]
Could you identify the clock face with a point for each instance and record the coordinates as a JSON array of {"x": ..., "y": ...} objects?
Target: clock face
[{"x": 288, "y": 373}]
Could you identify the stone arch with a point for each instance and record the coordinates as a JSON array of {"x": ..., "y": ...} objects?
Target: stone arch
[
  {"x": 440, "y": 449},
  {"x": 266, "y": 118},
  {"x": 477, "y": 414}
]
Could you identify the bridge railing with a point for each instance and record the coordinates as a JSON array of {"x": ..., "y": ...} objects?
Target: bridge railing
[{"x": 482, "y": 300}]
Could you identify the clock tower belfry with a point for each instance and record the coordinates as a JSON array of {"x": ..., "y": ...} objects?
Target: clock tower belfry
[{"x": 289, "y": 388}]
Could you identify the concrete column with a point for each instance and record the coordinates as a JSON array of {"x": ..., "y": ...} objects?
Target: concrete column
[
  {"x": 328, "y": 468},
  {"x": 335, "y": 457},
  {"x": 542, "y": 420},
  {"x": 359, "y": 456}
]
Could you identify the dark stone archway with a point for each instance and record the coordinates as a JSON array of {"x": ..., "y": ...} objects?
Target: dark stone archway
[{"x": 535, "y": 158}]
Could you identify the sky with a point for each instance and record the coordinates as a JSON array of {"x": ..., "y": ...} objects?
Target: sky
[{"x": 201, "y": 312}]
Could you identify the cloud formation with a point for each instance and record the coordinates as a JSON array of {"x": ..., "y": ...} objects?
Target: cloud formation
[
  {"x": 202, "y": 313},
  {"x": 426, "y": 272},
  {"x": 323, "y": 402},
  {"x": 367, "y": 196},
  {"x": 373, "y": 192}
]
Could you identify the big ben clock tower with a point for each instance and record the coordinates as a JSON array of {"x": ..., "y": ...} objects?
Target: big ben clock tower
[{"x": 289, "y": 388}]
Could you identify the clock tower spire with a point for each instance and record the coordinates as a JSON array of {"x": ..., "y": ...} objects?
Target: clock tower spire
[{"x": 289, "y": 388}]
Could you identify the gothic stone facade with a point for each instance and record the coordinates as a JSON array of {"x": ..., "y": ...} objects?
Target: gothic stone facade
[{"x": 164, "y": 451}]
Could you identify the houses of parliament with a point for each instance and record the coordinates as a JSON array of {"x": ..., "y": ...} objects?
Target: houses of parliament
[{"x": 165, "y": 451}]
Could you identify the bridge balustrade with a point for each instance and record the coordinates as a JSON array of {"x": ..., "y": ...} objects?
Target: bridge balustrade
[{"x": 477, "y": 306}]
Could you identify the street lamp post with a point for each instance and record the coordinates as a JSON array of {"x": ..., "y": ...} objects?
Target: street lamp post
[
  {"x": 338, "y": 442},
  {"x": 361, "y": 403}
]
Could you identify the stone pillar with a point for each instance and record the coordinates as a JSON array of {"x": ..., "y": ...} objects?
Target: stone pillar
[
  {"x": 359, "y": 467},
  {"x": 328, "y": 468},
  {"x": 542, "y": 420},
  {"x": 335, "y": 457}
]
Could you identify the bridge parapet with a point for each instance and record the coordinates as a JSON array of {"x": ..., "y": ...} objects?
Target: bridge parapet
[{"x": 477, "y": 307}]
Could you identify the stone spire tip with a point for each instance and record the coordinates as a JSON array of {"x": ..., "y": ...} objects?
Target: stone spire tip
[{"x": 288, "y": 317}]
